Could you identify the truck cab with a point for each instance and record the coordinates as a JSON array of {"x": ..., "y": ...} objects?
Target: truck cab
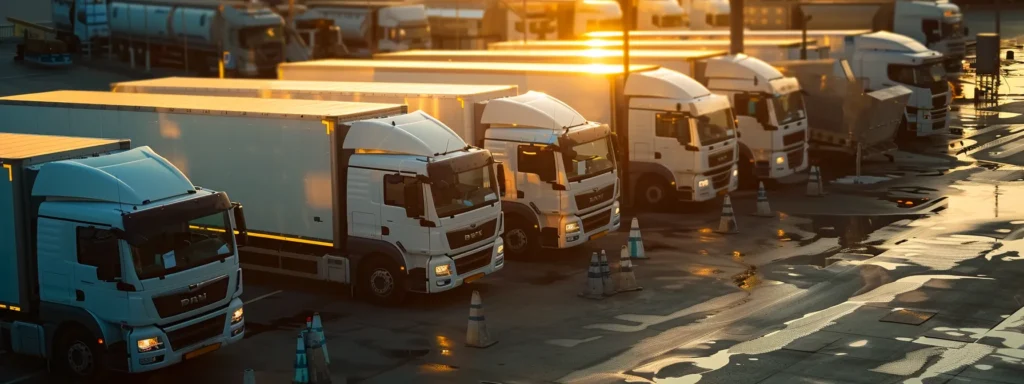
[
  {"x": 660, "y": 14},
  {"x": 412, "y": 183},
  {"x": 707, "y": 14},
  {"x": 596, "y": 15},
  {"x": 936, "y": 24},
  {"x": 379, "y": 26},
  {"x": 557, "y": 171},
  {"x": 311, "y": 35},
  {"x": 770, "y": 113},
  {"x": 682, "y": 139},
  {"x": 132, "y": 265},
  {"x": 80, "y": 22},
  {"x": 884, "y": 59}
]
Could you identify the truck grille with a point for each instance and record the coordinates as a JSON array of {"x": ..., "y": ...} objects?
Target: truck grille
[
  {"x": 793, "y": 138},
  {"x": 597, "y": 220},
  {"x": 590, "y": 199},
  {"x": 462, "y": 237},
  {"x": 196, "y": 333},
  {"x": 939, "y": 101},
  {"x": 795, "y": 158},
  {"x": 206, "y": 293},
  {"x": 269, "y": 54},
  {"x": 720, "y": 180},
  {"x": 473, "y": 261},
  {"x": 939, "y": 114},
  {"x": 720, "y": 158}
]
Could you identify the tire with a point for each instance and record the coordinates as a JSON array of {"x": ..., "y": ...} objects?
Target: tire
[
  {"x": 520, "y": 238},
  {"x": 79, "y": 357},
  {"x": 653, "y": 193},
  {"x": 382, "y": 282}
]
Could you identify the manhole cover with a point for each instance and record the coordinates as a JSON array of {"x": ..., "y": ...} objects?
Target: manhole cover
[{"x": 906, "y": 316}]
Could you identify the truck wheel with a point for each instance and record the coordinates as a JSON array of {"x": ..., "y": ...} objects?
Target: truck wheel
[
  {"x": 78, "y": 356},
  {"x": 653, "y": 193},
  {"x": 383, "y": 282},
  {"x": 747, "y": 178},
  {"x": 520, "y": 237}
]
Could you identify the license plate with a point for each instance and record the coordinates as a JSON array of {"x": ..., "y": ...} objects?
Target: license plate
[
  {"x": 599, "y": 235},
  {"x": 201, "y": 351},
  {"x": 473, "y": 278}
]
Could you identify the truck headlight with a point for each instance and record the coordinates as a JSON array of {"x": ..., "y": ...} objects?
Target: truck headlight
[
  {"x": 150, "y": 344},
  {"x": 703, "y": 183},
  {"x": 616, "y": 211},
  {"x": 237, "y": 316},
  {"x": 572, "y": 227},
  {"x": 442, "y": 270},
  {"x": 501, "y": 249},
  {"x": 779, "y": 160},
  {"x": 735, "y": 172}
]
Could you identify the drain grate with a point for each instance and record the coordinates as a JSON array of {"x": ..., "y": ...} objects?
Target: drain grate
[{"x": 907, "y": 316}]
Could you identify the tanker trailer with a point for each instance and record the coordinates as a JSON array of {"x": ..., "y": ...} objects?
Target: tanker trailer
[{"x": 196, "y": 34}]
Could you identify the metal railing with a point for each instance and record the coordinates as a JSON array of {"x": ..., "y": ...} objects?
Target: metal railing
[{"x": 7, "y": 32}]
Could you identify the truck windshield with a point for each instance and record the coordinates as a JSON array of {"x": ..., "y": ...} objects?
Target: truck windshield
[
  {"x": 588, "y": 159},
  {"x": 789, "y": 107},
  {"x": 952, "y": 29},
  {"x": 715, "y": 127},
  {"x": 252, "y": 37},
  {"x": 924, "y": 75},
  {"x": 413, "y": 33},
  {"x": 184, "y": 245},
  {"x": 464, "y": 191}
]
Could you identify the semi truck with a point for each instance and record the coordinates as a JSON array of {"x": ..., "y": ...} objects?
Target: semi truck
[
  {"x": 81, "y": 24},
  {"x": 309, "y": 34},
  {"x": 198, "y": 35},
  {"x": 368, "y": 27},
  {"x": 572, "y": 201},
  {"x": 768, "y": 50},
  {"x": 707, "y": 14},
  {"x": 112, "y": 260},
  {"x": 681, "y": 138},
  {"x": 769, "y": 107},
  {"x": 356, "y": 193}
]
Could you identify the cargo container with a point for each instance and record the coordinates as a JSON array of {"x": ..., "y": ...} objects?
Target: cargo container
[{"x": 768, "y": 50}]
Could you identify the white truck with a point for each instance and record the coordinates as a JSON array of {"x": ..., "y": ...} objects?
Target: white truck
[
  {"x": 768, "y": 50},
  {"x": 368, "y": 27},
  {"x": 310, "y": 35},
  {"x": 198, "y": 34},
  {"x": 768, "y": 106},
  {"x": 681, "y": 138},
  {"x": 549, "y": 201},
  {"x": 333, "y": 191},
  {"x": 707, "y": 14},
  {"x": 110, "y": 258},
  {"x": 82, "y": 24},
  {"x": 659, "y": 15}
]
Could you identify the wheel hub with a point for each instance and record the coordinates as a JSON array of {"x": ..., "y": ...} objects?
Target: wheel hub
[
  {"x": 80, "y": 358},
  {"x": 517, "y": 239},
  {"x": 654, "y": 194},
  {"x": 382, "y": 282}
]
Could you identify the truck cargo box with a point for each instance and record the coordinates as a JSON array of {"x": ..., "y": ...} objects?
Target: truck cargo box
[{"x": 17, "y": 247}]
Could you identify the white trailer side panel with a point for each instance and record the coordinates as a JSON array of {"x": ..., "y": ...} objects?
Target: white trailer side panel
[{"x": 279, "y": 168}]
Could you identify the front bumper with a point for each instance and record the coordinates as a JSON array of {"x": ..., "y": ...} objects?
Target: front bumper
[
  {"x": 706, "y": 187},
  {"x": 926, "y": 126},
  {"x": 593, "y": 225},
  {"x": 793, "y": 161},
  {"x": 466, "y": 267},
  {"x": 170, "y": 354}
]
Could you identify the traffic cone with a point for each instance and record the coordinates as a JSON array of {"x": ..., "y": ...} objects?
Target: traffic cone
[
  {"x": 595, "y": 290},
  {"x": 636, "y": 244},
  {"x": 814, "y": 186},
  {"x": 763, "y": 210},
  {"x": 249, "y": 377},
  {"x": 301, "y": 365},
  {"x": 318, "y": 371},
  {"x": 607, "y": 284},
  {"x": 626, "y": 278},
  {"x": 476, "y": 332},
  {"x": 318, "y": 327},
  {"x": 727, "y": 224}
]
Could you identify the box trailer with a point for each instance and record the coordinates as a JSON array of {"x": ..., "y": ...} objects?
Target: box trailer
[
  {"x": 768, "y": 50},
  {"x": 832, "y": 38},
  {"x": 489, "y": 116},
  {"x": 324, "y": 186},
  {"x": 106, "y": 260},
  {"x": 769, "y": 107},
  {"x": 680, "y": 137}
]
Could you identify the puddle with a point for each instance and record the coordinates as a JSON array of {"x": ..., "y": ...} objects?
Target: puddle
[
  {"x": 296, "y": 321},
  {"x": 405, "y": 353},
  {"x": 908, "y": 202},
  {"x": 747, "y": 279}
]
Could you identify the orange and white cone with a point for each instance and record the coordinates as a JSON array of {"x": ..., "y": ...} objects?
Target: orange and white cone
[
  {"x": 814, "y": 184},
  {"x": 626, "y": 278},
  {"x": 763, "y": 210},
  {"x": 476, "y": 332},
  {"x": 727, "y": 224},
  {"x": 636, "y": 244},
  {"x": 595, "y": 289},
  {"x": 249, "y": 377},
  {"x": 318, "y": 326},
  {"x": 607, "y": 284},
  {"x": 301, "y": 364}
]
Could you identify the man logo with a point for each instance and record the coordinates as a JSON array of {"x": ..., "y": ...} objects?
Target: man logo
[
  {"x": 197, "y": 299},
  {"x": 596, "y": 198},
  {"x": 474, "y": 235}
]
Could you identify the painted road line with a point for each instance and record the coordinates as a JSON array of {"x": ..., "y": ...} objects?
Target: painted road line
[
  {"x": 263, "y": 297},
  {"x": 26, "y": 377}
]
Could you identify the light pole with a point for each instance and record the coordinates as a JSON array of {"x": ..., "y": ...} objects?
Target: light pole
[
  {"x": 803, "y": 37},
  {"x": 622, "y": 126},
  {"x": 735, "y": 27}
]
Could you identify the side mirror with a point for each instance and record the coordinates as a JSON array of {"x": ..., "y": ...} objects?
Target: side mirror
[
  {"x": 242, "y": 235},
  {"x": 499, "y": 174},
  {"x": 763, "y": 116},
  {"x": 108, "y": 271},
  {"x": 414, "y": 205}
]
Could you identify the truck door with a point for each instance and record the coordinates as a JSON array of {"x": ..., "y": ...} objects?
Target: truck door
[
  {"x": 537, "y": 177},
  {"x": 673, "y": 142},
  {"x": 396, "y": 226},
  {"x": 98, "y": 271}
]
